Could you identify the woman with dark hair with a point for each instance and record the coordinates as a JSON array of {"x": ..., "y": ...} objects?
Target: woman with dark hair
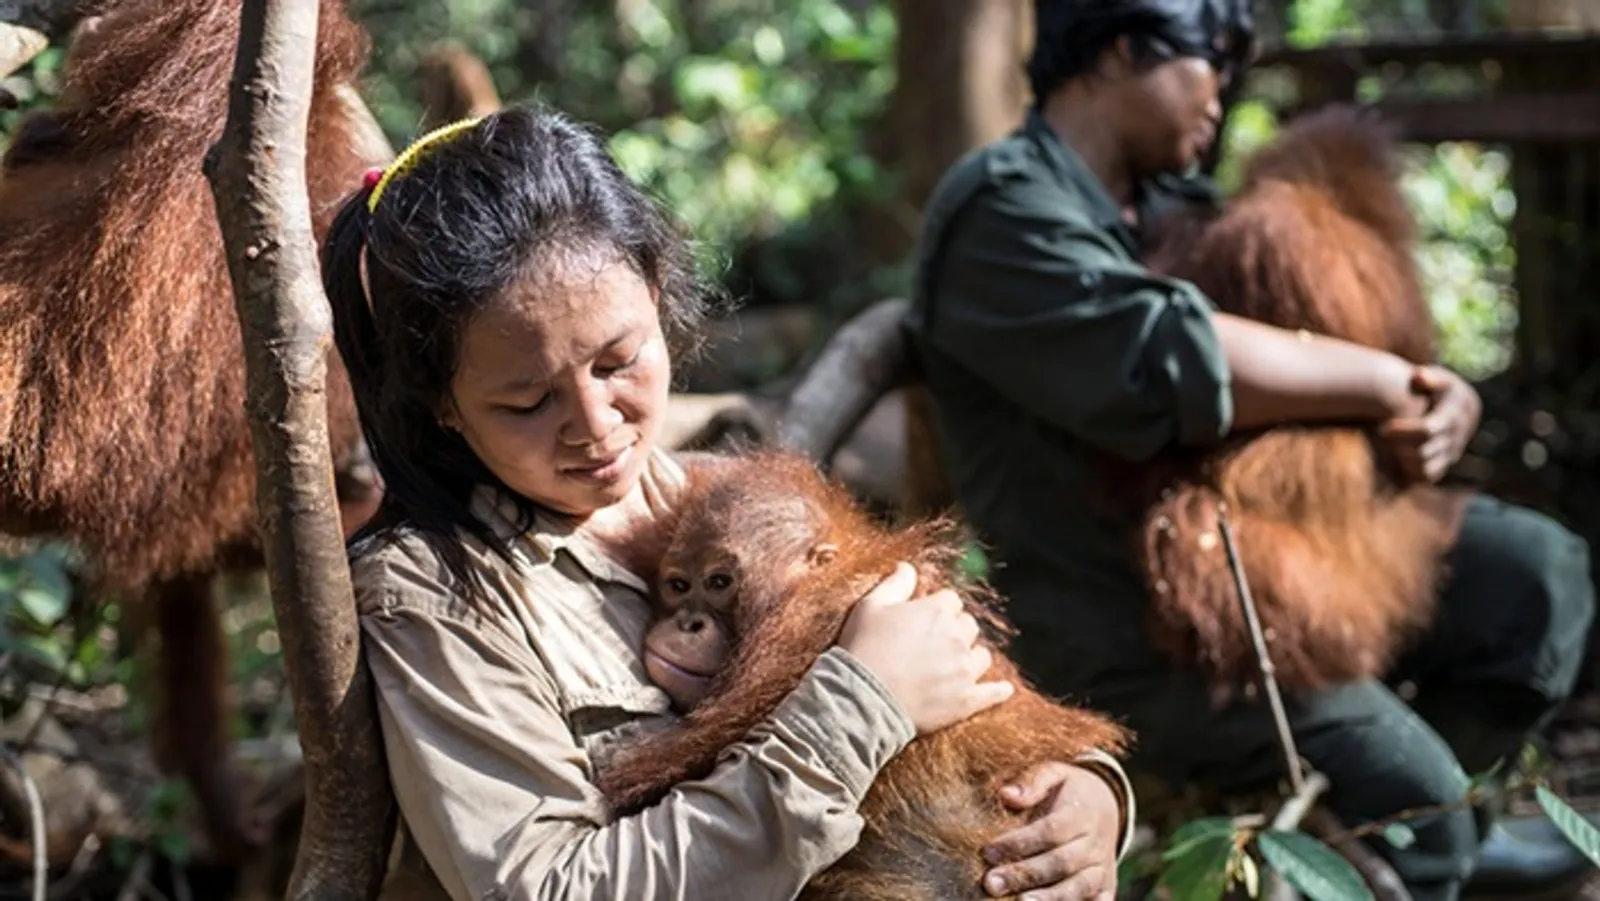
[
  {"x": 507, "y": 304},
  {"x": 1045, "y": 342}
]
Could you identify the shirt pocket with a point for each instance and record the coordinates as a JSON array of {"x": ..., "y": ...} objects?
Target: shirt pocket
[
  {"x": 590, "y": 634},
  {"x": 616, "y": 715}
]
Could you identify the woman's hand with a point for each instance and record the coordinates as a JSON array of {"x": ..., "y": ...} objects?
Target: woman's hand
[
  {"x": 1069, "y": 851},
  {"x": 924, "y": 651},
  {"x": 1428, "y": 444}
]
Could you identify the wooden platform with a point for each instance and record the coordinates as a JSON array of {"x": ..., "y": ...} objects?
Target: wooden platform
[{"x": 1331, "y": 72}]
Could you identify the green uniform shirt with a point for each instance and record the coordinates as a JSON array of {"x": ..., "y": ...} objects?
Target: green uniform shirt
[{"x": 1042, "y": 338}]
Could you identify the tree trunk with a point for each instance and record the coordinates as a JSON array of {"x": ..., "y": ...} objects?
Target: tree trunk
[
  {"x": 959, "y": 84},
  {"x": 257, "y": 174}
]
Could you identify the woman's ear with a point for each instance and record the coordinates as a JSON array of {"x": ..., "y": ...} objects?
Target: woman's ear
[
  {"x": 447, "y": 416},
  {"x": 1117, "y": 60}
]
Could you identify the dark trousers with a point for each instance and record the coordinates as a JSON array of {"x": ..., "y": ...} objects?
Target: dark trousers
[{"x": 1508, "y": 643}]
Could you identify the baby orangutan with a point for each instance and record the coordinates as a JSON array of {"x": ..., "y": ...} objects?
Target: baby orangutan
[{"x": 762, "y": 568}]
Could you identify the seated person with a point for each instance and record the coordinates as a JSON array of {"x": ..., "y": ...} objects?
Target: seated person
[{"x": 1043, "y": 341}]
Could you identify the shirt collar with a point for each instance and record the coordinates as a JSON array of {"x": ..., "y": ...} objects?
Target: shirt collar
[
  {"x": 552, "y": 532},
  {"x": 1072, "y": 172}
]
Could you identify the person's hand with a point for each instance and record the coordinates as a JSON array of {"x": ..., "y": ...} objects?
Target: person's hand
[
  {"x": 1068, "y": 852},
  {"x": 1427, "y": 445},
  {"x": 924, "y": 651}
]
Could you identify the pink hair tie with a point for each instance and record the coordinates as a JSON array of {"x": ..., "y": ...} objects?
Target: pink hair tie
[{"x": 372, "y": 177}]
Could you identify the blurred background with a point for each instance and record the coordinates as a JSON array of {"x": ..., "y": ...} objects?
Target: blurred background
[{"x": 797, "y": 139}]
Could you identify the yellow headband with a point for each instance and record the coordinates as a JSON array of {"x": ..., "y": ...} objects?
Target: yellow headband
[{"x": 409, "y": 157}]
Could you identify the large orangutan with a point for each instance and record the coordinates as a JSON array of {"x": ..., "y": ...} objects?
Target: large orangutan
[
  {"x": 122, "y": 384},
  {"x": 758, "y": 577},
  {"x": 1343, "y": 560}
]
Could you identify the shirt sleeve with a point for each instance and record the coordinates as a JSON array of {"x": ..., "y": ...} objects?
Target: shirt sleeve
[
  {"x": 496, "y": 791},
  {"x": 1046, "y": 308}
]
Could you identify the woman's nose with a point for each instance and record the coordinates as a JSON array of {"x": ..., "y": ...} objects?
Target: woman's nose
[{"x": 594, "y": 414}]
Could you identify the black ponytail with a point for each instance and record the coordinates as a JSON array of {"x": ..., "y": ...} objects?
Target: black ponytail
[{"x": 354, "y": 332}]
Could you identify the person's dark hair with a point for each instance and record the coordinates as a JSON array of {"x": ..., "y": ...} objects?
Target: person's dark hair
[
  {"x": 448, "y": 236},
  {"x": 1070, "y": 36}
]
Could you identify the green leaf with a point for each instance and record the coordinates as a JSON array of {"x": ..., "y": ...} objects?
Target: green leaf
[
  {"x": 1201, "y": 872},
  {"x": 710, "y": 80},
  {"x": 1195, "y": 832},
  {"x": 767, "y": 44},
  {"x": 47, "y": 650},
  {"x": 852, "y": 48},
  {"x": 44, "y": 607},
  {"x": 42, "y": 587},
  {"x": 1399, "y": 835},
  {"x": 975, "y": 564},
  {"x": 173, "y": 845},
  {"x": 1198, "y": 859},
  {"x": 1312, "y": 867},
  {"x": 1572, "y": 824}
]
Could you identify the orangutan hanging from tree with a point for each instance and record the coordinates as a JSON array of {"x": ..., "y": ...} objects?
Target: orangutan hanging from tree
[{"x": 122, "y": 401}]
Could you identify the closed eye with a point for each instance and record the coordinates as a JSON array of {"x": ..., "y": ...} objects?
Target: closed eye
[
  {"x": 529, "y": 409},
  {"x": 611, "y": 370}
]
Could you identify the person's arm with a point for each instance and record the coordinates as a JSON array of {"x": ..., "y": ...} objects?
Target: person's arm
[
  {"x": 498, "y": 796},
  {"x": 1047, "y": 309},
  {"x": 1281, "y": 376}
]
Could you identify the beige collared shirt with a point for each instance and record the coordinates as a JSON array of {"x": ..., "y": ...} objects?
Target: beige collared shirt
[{"x": 492, "y": 717}]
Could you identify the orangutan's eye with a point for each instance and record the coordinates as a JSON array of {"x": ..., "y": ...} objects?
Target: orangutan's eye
[
  {"x": 678, "y": 586},
  {"x": 719, "y": 581}
]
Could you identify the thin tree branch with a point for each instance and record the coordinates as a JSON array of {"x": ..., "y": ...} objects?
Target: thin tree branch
[
  {"x": 1300, "y": 804},
  {"x": 860, "y": 363},
  {"x": 258, "y": 180},
  {"x": 36, "y": 824},
  {"x": 1269, "y": 679},
  {"x": 1375, "y": 871}
]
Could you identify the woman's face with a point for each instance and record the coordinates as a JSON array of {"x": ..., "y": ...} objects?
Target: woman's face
[
  {"x": 563, "y": 384},
  {"x": 1177, "y": 111}
]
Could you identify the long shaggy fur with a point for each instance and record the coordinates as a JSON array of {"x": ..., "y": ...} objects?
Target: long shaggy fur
[
  {"x": 122, "y": 385},
  {"x": 1344, "y": 564},
  {"x": 933, "y": 807},
  {"x": 124, "y": 423}
]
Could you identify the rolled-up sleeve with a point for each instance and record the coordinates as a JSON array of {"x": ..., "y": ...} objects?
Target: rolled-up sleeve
[
  {"x": 497, "y": 794},
  {"x": 1035, "y": 300}
]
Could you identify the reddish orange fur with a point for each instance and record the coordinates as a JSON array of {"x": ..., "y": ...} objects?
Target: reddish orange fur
[
  {"x": 1343, "y": 563},
  {"x": 934, "y": 805},
  {"x": 122, "y": 395}
]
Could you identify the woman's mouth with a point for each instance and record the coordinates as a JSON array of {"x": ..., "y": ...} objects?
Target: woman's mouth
[{"x": 605, "y": 470}]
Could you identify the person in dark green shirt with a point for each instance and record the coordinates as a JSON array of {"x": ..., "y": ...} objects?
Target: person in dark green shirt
[{"x": 1044, "y": 342}]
